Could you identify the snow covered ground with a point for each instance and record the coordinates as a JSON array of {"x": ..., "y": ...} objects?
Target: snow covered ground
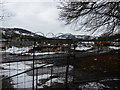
[
  {"x": 37, "y": 53},
  {"x": 11, "y": 69},
  {"x": 99, "y": 85},
  {"x": 83, "y": 48},
  {"x": 114, "y": 47},
  {"x": 48, "y": 83},
  {"x": 92, "y": 86},
  {"x": 16, "y": 50},
  {"x": 24, "y": 80},
  {"x": 24, "y": 51}
]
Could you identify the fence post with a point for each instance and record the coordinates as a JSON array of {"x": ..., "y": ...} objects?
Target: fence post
[
  {"x": 51, "y": 75},
  {"x": 36, "y": 42},
  {"x": 67, "y": 68},
  {"x": 36, "y": 76},
  {"x": 75, "y": 45},
  {"x": 33, "y": 62}
]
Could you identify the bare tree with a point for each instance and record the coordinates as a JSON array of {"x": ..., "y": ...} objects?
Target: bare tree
[{"x": 91, "y": 16}]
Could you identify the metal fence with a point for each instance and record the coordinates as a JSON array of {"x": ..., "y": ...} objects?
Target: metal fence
[{"x": 52, "y": 63}]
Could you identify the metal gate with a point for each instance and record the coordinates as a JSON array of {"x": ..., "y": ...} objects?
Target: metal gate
[{"x": 55, "y": 63}]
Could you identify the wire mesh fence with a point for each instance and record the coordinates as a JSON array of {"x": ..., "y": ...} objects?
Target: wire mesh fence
[{"x": 54, "y": 63}]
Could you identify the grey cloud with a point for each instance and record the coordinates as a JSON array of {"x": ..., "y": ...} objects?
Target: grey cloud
[{"x": 42, "y": 16}]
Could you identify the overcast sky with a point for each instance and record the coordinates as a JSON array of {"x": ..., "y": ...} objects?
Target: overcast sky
[{"x": 36, "y": 17}]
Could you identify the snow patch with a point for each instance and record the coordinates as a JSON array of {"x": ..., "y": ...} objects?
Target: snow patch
[
  {"x": 113, "y": 47},
  {"x": 92, "y": 86},
  {"x": 48, "y": 83},
  {"x": 16, "y": 50},
  {"x": 37, "y": 53},
  {"x": 81, "y": 48}
]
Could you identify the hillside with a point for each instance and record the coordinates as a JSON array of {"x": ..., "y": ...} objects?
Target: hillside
[
  {"x": 16, "y": 34},
  {"x": 72, "y": 36}
]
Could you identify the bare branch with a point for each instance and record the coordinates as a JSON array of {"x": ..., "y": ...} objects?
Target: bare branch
[{"x": 92, "y": 14}]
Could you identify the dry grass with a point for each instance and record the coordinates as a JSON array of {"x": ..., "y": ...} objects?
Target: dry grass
[{"x": 106, "y": 63}]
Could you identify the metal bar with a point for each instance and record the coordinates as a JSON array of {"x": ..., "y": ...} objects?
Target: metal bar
[
  {"x": 51, "y": 74},
  {"x": 20, "y": 60},
  {"x": 36, "y": 78},
  {"x": 24, "y": 72},
  {"x": 33, "y": 62},
  {"x": 96, "y": 80},
  {"x": 67, "y": 68}
]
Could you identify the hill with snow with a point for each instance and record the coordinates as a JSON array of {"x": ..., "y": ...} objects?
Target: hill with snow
[
  {"x": 71, "y": 36},
  {"x": 17, "y": 33}
]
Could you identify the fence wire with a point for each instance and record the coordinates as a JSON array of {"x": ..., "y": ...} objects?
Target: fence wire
[{"x": 52, "y": 65}]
